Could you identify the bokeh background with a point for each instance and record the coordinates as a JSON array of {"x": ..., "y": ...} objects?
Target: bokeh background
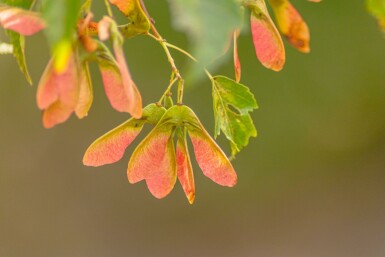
[{"x": 312, "y": 184}]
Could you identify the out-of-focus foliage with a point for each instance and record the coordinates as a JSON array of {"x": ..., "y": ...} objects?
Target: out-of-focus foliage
[
  {"x": 209, "y": 25},
  {"x": 377, "y": 9},
  {"x": 62, "y": 16}
]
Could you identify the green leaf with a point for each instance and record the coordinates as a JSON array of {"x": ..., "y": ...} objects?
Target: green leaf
[
  {"x": 209, "y": 25},
  {"x": 61, "y": 17},
  {"x": 233, "y": 103},
  {"x": 377, "y": 9},
  {"x": 18, "y": 41}
]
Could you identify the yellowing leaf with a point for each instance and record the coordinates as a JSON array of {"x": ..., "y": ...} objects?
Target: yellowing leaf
[
  {"x": 110, "y": 147},
  {"x": 232, "y": 104},
  {"x": 132, "y": 9},
  {"x": 126, "y": 6},
  {"x": 184, "y": 168},
  {"x": 291, "y": 24},
  {"x": 267, "y": 41}
]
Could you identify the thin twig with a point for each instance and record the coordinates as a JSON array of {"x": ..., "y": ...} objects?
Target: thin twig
[
  {"x": 167, "y": 92},
  {"x": 108, "y": 7},
  {"x": 190, "y": 56}
]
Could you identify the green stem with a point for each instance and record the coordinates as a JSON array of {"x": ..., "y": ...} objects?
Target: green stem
[
  {"x": 33, "y": 4},
  {"x": 86, "y": 7},
  {"x": 189, "y": 56},
  {"x": 156, "y": 36},
  {"x": 182, "y": 51},
  {"x": 167, "y": 92},
  {"x": 180, "y": 91},
  {"x": 108, "y": 7}
]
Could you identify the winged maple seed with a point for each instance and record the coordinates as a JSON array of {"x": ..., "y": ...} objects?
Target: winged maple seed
[
  {"x": 130, "y": 99},
  {"x": 24, "y": 22},
  {"x": 110, "y": 147},
  {"x": 69, "y": 90},
  {"x": 267, "y": 41},
  {"x": 155, "y": 159},
  {"x": 60, "y": 93},
  {"x": 291, "y": 24},
  {"x": 237, "y": 62}
]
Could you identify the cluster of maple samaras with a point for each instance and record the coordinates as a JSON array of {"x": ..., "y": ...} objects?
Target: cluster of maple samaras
[
  {"x": 155, "y": 160},
  {"x": 65, "y": 90},
  {"x": 267, "y": 41},
  {"x": 65, "y": 86}
]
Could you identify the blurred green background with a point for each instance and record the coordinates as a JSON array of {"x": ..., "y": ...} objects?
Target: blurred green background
[{"x": 312, "y": 184}]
